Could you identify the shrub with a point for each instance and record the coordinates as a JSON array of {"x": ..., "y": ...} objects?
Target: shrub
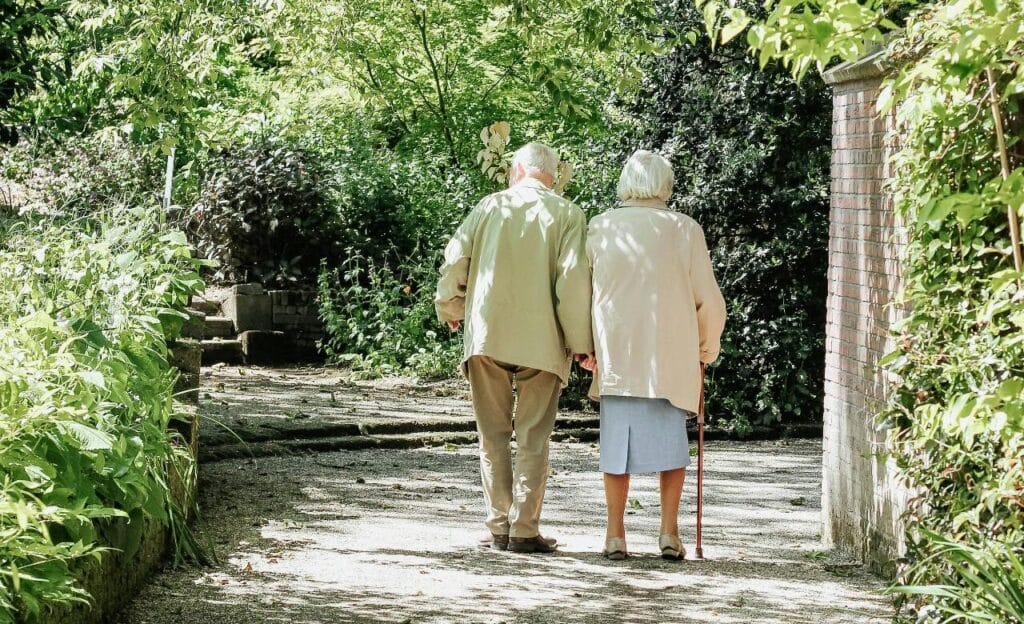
[
  {"x": 381, "y": 321},
  {"x": 74, "y": 177},
  {"x": 751, "y": 154},
  {"x": 263, "y": 213},
  {"x": 85, "y": 396}
]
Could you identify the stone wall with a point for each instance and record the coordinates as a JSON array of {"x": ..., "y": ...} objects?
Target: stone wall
[
  {"x": 861, "y": 501},
  {"x": 117, "y": 576},
  {"x": 297, "y": 314},
  {"x": 271, "y": 326}
]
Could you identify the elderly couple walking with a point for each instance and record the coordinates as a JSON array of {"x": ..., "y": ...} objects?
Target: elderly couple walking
[{"x": 634, "y": 300}]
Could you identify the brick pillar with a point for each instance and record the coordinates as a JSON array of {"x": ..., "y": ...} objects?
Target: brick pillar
[{"x": 861, "y": 502}]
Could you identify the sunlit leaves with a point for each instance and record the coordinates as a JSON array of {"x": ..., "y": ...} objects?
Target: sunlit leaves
[
  {"x": 802, "y": 34},
  {"x": 84, "y": 394}
]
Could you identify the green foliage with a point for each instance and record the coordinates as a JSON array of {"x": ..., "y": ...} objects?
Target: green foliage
[
  {"x": 149, "y": 67},
  {"x": 803, "y": 33},
  {"x": 958, "y": 412},
  {"x": 433, "y": 73},
  {"x": 750, "y": 151},
  {"x": 986, "y": 579},
  {"x": 85, "y": 396},
  {"x": 73, "y": 179},
  {"x": 263, "y": 213},
  {"x": 382, "y": 321},
  {"x": 956, "y": 416},
  {"x": 22, "y": 22}
]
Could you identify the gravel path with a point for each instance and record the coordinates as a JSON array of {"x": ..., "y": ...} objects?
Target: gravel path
[{"x": 390, "y": 536}]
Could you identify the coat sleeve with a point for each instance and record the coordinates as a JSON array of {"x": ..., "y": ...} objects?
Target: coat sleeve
[
  {"x": 708, "y": 297},
  {"x": 572, "y": 286},
  {"x": 450, "y": 300}
]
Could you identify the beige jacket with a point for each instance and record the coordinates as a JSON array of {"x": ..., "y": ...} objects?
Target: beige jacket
[
  {"x": 658, "y": 312},
  {"x": 516, "y": 272}
]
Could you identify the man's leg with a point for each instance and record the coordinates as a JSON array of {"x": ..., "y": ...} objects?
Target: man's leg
[
  {"x": 535, "y": 418},
  {"x": 492, "y": 401}
]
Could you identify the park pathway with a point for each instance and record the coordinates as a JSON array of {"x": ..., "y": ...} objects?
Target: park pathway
[{"x": 386, "y": 532}]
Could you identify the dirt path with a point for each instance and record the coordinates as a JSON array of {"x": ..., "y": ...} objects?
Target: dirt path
[{"x": 390, "y": 536}]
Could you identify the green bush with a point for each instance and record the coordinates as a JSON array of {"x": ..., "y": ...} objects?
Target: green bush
[
  {"x": 381, "y": 321},
  {"x": 86, "y": 308},
  {"x": 750, "y": 149},
  {"x": 263, "y": 213},
  {"x": 74, "y": 177},
  {"x": 956, "y": 412}
]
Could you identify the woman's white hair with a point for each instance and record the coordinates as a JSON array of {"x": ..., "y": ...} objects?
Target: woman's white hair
[
  {"x": 646, "y": 176},
  {"x": 537, "y": 157}
]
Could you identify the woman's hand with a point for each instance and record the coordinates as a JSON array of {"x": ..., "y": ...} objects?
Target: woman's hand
[{"x": 587, "y": 361}]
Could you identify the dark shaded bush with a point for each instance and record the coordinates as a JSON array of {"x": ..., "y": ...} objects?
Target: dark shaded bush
[
  {"x": 751, "y": 153},
  {"x": 264, "y": 214}
]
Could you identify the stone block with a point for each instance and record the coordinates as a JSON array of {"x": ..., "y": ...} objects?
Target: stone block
[
  {"x": 266, "y": 347},
  {"x": 204, "y": 305},
  {"x": 186, "y": 355},
  {"x": 249, "y": 311},
  {"x": 219, "y": 327},
  {"x": 194, "y": 327},
  {"x": 222, "y": 351},
  {"x": 247, "y": 289}
]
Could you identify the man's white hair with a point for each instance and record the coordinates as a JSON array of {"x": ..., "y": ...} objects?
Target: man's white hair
[
  {"x": 646, "y": 176},
  {"x": 537, "y": 158}
]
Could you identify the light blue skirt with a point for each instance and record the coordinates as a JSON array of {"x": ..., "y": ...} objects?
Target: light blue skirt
[{"x": 642, "y": 435}]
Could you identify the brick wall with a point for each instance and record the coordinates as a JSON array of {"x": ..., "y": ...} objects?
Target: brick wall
[
  {"x": 297, "y": 313},
  {"x": 861, "y": 502}
]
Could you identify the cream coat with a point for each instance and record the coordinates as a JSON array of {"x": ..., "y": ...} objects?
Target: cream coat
[
  {"x": 516, "y": 272},
  {"x": 657, "y": 312}
]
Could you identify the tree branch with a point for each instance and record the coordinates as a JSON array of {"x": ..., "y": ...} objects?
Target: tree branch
[{"x": 420, "y": 20}]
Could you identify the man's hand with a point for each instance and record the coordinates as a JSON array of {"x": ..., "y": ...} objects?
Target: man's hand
[
  {"x": 587, "y": 361},
  {"x": 454, "y": 325}
]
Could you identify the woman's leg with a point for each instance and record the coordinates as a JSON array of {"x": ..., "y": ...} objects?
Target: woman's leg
[
  {"x": 616, "y": 489},
  {"x": 671, "y": 492}
]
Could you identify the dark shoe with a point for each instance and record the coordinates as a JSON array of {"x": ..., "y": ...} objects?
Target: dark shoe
[
  {"x": 495, "y": 541},
  {"x": 536, "y": 544}
]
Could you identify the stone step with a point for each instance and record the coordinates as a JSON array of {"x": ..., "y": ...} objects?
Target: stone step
[
  {"x": 216, "y": 351},
  {"x": 206, "y": 306},
  {"x": 339, "y": 443},
  {"x": 219, "y": 327}
]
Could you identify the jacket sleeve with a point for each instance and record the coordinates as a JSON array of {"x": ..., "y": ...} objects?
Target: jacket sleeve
[
  {"x": 450, "y": 300},
  {"x": 572, "y": 286},
  {"x": 708, "y": 297}
]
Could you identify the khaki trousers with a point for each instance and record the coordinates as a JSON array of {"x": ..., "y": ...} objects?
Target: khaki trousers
[{"x": 514, "y": 494}]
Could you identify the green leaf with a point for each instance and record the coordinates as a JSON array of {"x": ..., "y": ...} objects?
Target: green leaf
[{"x": 91, "y": 439}]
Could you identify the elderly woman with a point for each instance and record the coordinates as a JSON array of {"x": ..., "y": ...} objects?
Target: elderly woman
[{"x": 658, "y": 316}]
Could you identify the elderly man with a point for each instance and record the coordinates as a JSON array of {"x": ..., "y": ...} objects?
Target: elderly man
[{"x": 516, "y": 272}]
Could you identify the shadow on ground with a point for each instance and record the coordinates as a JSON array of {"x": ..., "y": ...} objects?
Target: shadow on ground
[{"x": 390, "y": 536}]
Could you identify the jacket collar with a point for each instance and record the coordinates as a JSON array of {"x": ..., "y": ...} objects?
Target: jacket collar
[
  {"x": 531, "y": 183},
  {"x": 645, "y": 203}
]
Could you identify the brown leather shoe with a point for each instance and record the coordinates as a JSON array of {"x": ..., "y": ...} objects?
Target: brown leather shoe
[
  {"x": 535, "y": 544},
  {"x": 495, "y": 541}
]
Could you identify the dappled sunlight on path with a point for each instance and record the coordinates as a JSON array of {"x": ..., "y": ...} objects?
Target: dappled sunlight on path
[{"x": 390, "y": 536}]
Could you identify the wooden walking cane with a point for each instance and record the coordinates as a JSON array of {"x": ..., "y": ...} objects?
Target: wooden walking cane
[{"x": 698, "y": 551}]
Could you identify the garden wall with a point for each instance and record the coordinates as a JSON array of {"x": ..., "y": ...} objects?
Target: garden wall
[
  {"x": 861, "y": 502},
  {"x": 114, "y": 579}
]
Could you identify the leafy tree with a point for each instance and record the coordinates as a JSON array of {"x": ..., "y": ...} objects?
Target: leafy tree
[
  {"x": 434, "y": 72},
  {"x": 22, "y": 22},
  {"x": 150, "y": 67}
]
